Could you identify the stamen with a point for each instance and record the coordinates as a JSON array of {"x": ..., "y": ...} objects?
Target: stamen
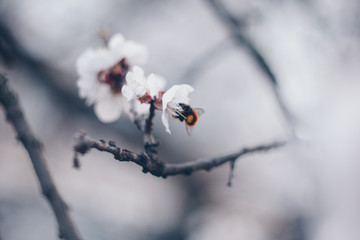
[
  {"x": 115, "y": 76},
  {"x": 179, "y": 113}
]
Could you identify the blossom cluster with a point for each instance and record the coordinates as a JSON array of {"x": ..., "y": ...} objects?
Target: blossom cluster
[{"x": 111, "y": 79}]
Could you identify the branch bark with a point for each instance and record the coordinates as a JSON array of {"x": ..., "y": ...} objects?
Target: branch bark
[
  {"x": 158, "y": 168},
  {"x": 15, "y": 117}
]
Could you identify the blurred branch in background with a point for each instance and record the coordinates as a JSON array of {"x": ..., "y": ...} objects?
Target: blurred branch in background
[
  {"x": 235, "y": 27},
  {"x": 14, "y": 116},
  {"x": 201, "y": 63},
  {"x": 311, "y": 8},
  {"x": 13, "y": 53}
]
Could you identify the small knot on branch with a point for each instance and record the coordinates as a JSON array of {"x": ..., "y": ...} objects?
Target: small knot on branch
[
  {"x": 150, "y": 145},
  {"x": 80, "y": 145},
  {"x": 151, "y": 165},
  {"x": 76, "y": 161},
  {"x": 112, "y": 143},
  {"x": 151, "y": 148},
  {"x": 188, "y": 171}
]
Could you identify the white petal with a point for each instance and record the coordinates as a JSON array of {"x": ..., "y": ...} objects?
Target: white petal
[
  {"x": 89, "y": 95},
  {"x": 116, "y": 41},
  {"x": 138, "y": 74},
  {"x": 127, "y": 92},
  {"x": 140, "y": 90},
  {"x": 135, "y": 53},
  {"x": 93, "y": 61},
  {"x": 135, "y": 81},
  {"x": 182, "y": 93},
  {"x": 129, "y": 77},
  {"x": 83, "y": 64},
  {"x": 168, "y": 96},
  {"x": 155, "y": 83},
  {"x": 165, "y": 121},
  {"x": 88, "y": 87},
  {"x": 116, "y": 48},
  {"x": 140, "y": 108},
  {"x": 104, "y": 92},
  {"x": 177, "y": 94},
  {"x": 86, "y": 82},
  {"x": 108, "y": 110},
  {"x": 135, "y": 77}
]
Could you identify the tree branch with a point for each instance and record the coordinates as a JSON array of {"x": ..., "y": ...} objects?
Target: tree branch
[
  {"x": 16, "y": 118},
  {"x": 84, "y": 143}
]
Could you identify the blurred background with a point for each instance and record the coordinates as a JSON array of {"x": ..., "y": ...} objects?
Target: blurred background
[{"x": 307, "y": 190}]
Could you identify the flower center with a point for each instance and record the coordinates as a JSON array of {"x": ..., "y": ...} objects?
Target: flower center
[{"x": 115, "y": 76}]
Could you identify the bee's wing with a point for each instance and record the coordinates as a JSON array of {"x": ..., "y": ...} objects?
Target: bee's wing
[
  {"x": 189, "y": 129},
  {"x": 199, "y": 111}
]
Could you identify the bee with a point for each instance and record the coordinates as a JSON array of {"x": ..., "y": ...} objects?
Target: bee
[{"x": 189, "y": 115}]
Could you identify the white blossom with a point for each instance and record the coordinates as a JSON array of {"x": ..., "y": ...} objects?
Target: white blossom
[
  {"x": 171, "y": 100},
  {"x": 135, "y": 53},
  {"x": 140, "y": 87},
  {"x": 155, "y": 84},
  {"x": 102, "y": 73}
]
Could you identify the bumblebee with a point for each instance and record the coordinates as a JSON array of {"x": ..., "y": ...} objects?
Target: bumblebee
[{"x": 189, "y": 115}]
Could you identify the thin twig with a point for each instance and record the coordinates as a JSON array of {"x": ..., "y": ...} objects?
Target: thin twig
[
  {"x": 145, "y": 125},
  {"x": 242, "y": 40},
  {"x": 231, "y": 23},
  {"x": 149, "y": 120},
  {"x": 231, "y": 173},
  {"x": 150, "y": 143},
  {"x": 15, "y": 116},
  {"x": 161, "y": 169}
]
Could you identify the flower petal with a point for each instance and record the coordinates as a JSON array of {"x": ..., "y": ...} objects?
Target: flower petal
[
  {"x": 136, "y": 83},
  {"x": 108, "y": 110},
  {"x": 87, "y": 86},
  {"x": 140, "y": 90},
  {"x": 177, "y": 94},
  {"x": 127, "y": 92},
  {"x": 93, "y": 61},
  {"x": 182, "y": 93},
  {"x": 141, "y": 109},
  {"x": 135, "y": 53},
  {"x": 138, "y": 75},
  {"x": 165, "y": 121},
  {"x": 116, "y": 41},
  {"x": 155, "y": 83},
  {"x": 116, "y": 47}
]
